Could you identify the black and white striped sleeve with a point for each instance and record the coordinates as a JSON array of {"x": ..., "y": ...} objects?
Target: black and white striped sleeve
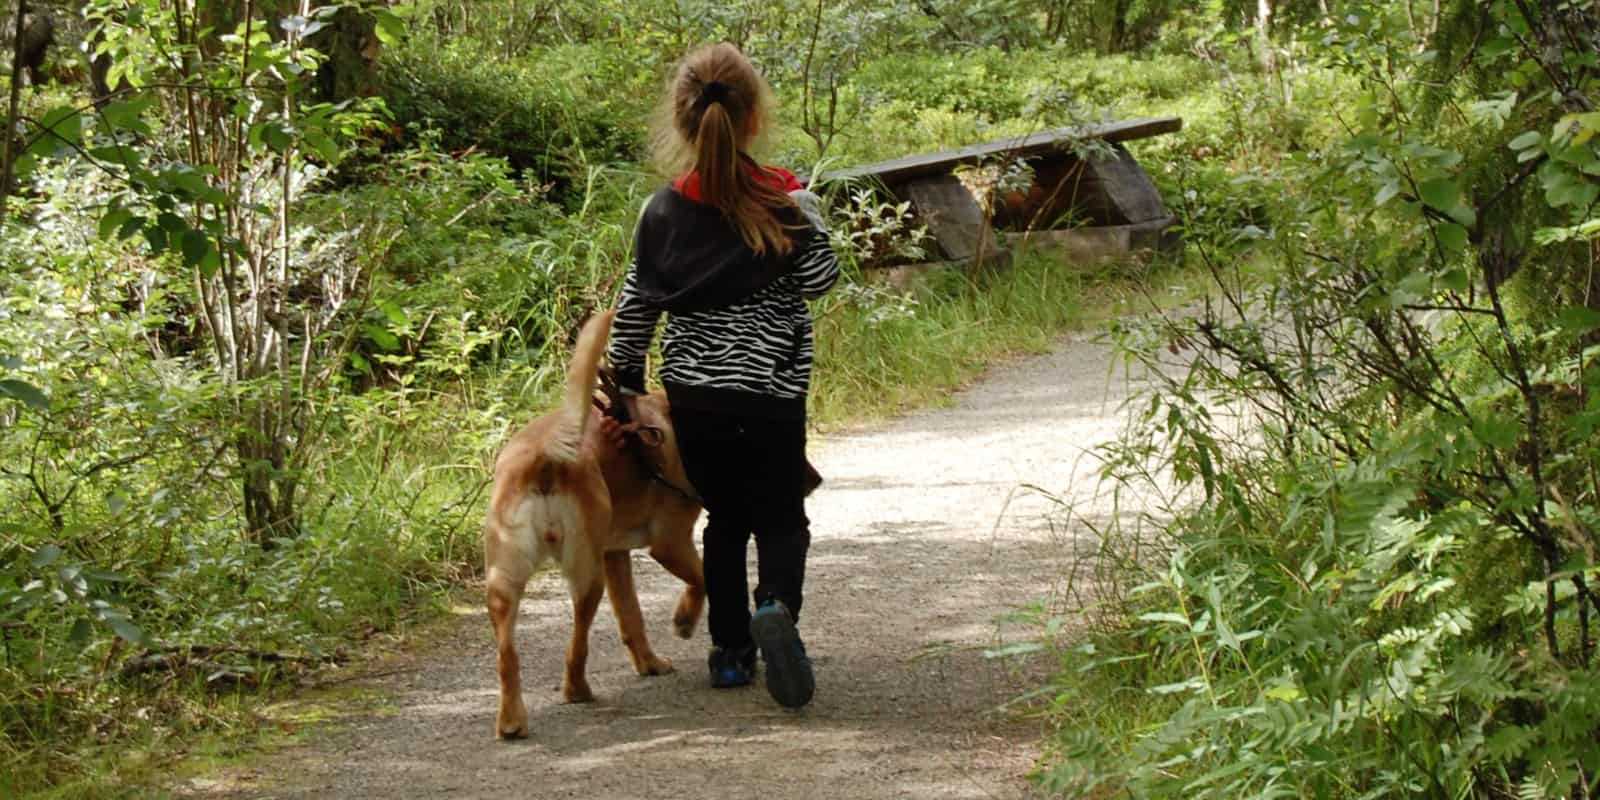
[
  {"x": 631, "y": 331},
  {"x": 816, "y": 268}
]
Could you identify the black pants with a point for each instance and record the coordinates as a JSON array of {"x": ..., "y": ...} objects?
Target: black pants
[{"x": 750, "y": 471}]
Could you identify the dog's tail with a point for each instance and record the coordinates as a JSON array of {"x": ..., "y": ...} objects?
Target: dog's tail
[{"x": 581, "y": 375}]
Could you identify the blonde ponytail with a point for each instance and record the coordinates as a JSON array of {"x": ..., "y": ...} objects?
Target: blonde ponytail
[{"x": 715, "y": 102}]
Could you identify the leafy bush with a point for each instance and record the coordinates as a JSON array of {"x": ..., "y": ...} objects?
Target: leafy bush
[
  {"x": 1373, "y": 475},
  {"x": 549, "y": 114}
]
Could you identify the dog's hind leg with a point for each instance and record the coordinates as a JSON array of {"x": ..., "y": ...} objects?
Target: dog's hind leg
[
  {"x": 590, "y": 512},
  {"x": 504, "y": 596},
  {"x": 678, "y": 556},
  {"x": 585, "y": 602},
  {"x": 625, "y": 604}
]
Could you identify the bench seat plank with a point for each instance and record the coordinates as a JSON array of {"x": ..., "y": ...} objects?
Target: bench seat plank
[{"x": 901, "y": 170}]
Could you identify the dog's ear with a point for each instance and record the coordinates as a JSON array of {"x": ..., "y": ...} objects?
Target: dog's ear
[{"x": 651, "y": 436}]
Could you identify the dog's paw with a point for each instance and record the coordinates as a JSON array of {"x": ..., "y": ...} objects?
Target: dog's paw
[
  {"x": 686, "y": 615},
  {"x": 576, "y": 692},
  {"x": 511, "y": 725},
  {"x": 683, "y": 625},
  {"x": 657, "y": 665}
]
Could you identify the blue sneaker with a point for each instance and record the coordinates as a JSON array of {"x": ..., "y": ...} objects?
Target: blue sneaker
[
  {"x": 789, "y": 678},
  {"x": 731, "y": 669}
]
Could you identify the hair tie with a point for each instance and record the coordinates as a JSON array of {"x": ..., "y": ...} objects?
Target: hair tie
[{"x": 714, "y": 92}]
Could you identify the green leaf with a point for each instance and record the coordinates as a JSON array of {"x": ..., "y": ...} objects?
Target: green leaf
[
  {"x": 79, "y": 635},
  {"x": 276, "y": 137},
  {"x": 45, "y": 556},
  {"x": 1578, "y": 319},
  {"x": 194, "y": 184},
  {"x": 1190, "y": 685},
  {"x": 301, "y": 26},
  {"x": 1387, "y": 192},
  {"x": 58, "y": 128},
  {"x": 1288, "y": 693},
  {"x": 156, "y": 236},
  {"x": 195, "y": 246},
  {"x": 390, "y": 28},
  {"x": 383, "y": 338},
  {"x": 132, "y": 226},
  {"x": 1565, "y": 188},
  {"x": 1497, "y": 47},
  {"x": 210, "y": 262},
  {"x": 1452, "y": 237},
  {"x": 71, "y": 576},
  {"x": 1165, "y": 616},
  {"x": 27, "y": 393},
  {"x": 105, "y": 576},
  {"x": 1526, "y": 140},
  {"x": 1496, "y": 432},
  {"x": 116, "y": 503},
  {"x": 1440, "y": 193},
  {"x": 396, "y": 314},
  {"x": 322, "y": 145},
  {"x": 125, "y": 629},
  {"x": 1463, "y": 214},
  {"x": 119, "y": 155},
  {"x": 1014, "y": 649},
  {"x": 113, "y": 221},
  {"x": 128, "y": 115},
  {"x": 1411, "y": 288}
]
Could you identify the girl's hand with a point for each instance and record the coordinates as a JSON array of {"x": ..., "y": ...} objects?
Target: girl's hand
[{"x": 615, "y": 433}]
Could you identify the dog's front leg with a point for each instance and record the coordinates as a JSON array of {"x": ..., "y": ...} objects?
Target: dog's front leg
[
  {"x": 677, "y": 554},
  {"x": 630, "y": 622}
]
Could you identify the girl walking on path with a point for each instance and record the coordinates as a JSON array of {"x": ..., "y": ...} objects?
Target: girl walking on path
[{"x": 730, "y": 251}]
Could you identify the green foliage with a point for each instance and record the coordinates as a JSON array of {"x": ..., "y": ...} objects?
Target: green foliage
[
  {"x": 1349, "y": 600},
  {"x": 1374, "y": 478},
  {"x": 550, "y": 113},
  {"x": 868, "y": 231}
]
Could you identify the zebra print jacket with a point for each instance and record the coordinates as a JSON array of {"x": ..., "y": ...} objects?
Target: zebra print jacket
[{"x": 738, "y": 335}]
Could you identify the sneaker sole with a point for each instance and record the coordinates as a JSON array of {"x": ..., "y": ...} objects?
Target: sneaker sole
[
  {"x": 734, "y": 678},
  {"x": 789, "y": 681},
  {"x": 733, "y": 684}
]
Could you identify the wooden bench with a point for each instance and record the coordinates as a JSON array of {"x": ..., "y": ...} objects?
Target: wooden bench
[{"x": 1114, "y": 207}]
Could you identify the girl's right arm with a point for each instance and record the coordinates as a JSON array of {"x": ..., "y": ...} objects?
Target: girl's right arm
[
  {"x": 631, "y": 332},
  {"x": 816, "y": 266}
]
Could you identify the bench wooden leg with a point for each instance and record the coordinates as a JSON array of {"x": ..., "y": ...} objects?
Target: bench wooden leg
[{"x": 956, "y": 220}]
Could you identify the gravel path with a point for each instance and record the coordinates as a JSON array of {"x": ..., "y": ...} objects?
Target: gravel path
[{"x": 922, "y": 541}]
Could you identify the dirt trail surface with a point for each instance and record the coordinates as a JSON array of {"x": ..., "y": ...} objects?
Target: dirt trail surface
[{"x": 922, "y": 540}]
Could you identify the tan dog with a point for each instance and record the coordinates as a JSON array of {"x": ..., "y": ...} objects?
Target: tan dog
[{"x": 563, "y": 492}]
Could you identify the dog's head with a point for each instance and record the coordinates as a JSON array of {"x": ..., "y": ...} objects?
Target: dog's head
[
  {"x": 655, "y": 433},
  {"x": 661, "y": 443}
]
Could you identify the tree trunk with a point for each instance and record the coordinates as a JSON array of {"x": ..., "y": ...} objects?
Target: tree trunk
[
  {"x": 352, "y": 47},
  {"x": 270, "y": 488},
  {"x": 1119, "y": 26},
  {"x": 9, "y": 143},
  {"x": 1269, "y": 59}
]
